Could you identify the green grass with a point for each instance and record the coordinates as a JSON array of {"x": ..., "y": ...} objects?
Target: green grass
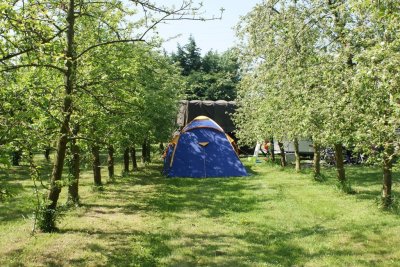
[{"x": 274, "y": 217}]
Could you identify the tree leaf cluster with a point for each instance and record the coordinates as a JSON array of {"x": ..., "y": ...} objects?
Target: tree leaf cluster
[
  {"x": 213, "y": 76},
  {"x": 78, "y": 75},
  {"x": 322, "y": 70}
]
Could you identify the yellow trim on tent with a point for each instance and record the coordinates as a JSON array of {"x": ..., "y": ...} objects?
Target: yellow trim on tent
[
  {"x": 206, "y": 127},
  {"x": 232, "y": 142},
  {"x": 230, "y": 138},
  {"x": 203, "y": 143},
  {"x": 204, "y": 118},
  {"x": 201, "y": 118},
  {"x": 175, "y": 139}
]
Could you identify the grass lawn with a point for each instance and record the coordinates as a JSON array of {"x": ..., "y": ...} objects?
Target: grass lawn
[{"x": 274, "y": 217}]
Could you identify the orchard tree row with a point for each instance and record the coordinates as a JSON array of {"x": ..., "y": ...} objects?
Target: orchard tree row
[
  {"x": 325, "y": 70},
  {"x": 81, "y": 76}
]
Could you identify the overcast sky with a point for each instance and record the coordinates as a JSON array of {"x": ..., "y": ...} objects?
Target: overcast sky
[{"x": 218, "y": 35}]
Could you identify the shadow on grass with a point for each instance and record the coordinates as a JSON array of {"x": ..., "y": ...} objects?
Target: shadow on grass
[
  {"x": 126, "y": 248},
  {"x": 16, "y": 209},
  {"x": 213, "y": 196},
  {"x": 17, "y": 181},
  {"x": 122, "y": 248},
  {"x": 250, "y": 170},
  {"x": 16, "y": 206},
  {"x": 261, "y": 245},
  {"x": 366, "y": 180}
]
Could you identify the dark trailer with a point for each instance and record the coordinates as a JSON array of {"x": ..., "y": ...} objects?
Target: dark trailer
[{"x": 220, "y": 111}]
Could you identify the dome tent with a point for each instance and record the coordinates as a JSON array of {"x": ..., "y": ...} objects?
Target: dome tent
[{"x": 202, "y": 149}]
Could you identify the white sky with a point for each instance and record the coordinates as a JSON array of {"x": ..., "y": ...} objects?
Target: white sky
[{"x": 218, "y": 35}]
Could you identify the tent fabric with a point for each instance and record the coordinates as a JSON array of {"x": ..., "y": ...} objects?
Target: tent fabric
[
  {"x": 220, "y": 111},
  {"x": 202, "y": 150}
]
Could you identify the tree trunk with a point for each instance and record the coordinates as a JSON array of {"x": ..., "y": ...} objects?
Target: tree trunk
[
  {"x": 161, "y": 147},
  {"x": 283, "y": 158},
  {"x": 272, "y": 149},
  {"x": 55, "y": 189},
  {"x": 145, "y": 151},
  {"x": 387, "y": 176},
  {"x": 110, "y": 162},
  {"x": 69, "y": 82},
  {"x": 148, "y": 151},
  {"x": 133, "y": 158},
  {"x": 47, "y": 153},
  {"x": 340, "y": 172},
  {"x": 16, "y": 157},
  {"x": 73, "y": 187},
  {"x": 96, "y": 165},
  {"x": 317, "y": 161},
  {"x": 297, "y": 154},
  {"x": 126, "y": 160}
]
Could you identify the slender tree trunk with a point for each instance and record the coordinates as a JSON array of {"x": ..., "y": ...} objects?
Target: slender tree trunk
[
  {"x": 297, "y": 154},
  {"x": 161, "y": 147},
  {"x": 340, "y": 172},
  {"x": 145, "y": 151},
  {"x": 16, "y": 157},
  {"x": 126, "y": 160},
  {"x": 69, "y": 81},
  {"x": 47, "y": 153},
  {"x": 272, "y": 150},
  {"x": 387, "y": 176},
  {"x": 148, "y": 151},
  {"x": 317, "y": 161},
  {"x": 110, "y": 162},
  {"x": 96, "y": 165},
  {"x": 73, "y": 187},
  {"x": 283, "y": 158},
  {"x": 133, "y": 158},
  {"x": 55, "y": 189}
]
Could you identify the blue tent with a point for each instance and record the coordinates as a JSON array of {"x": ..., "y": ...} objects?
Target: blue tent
[{"x": 202, "y": 149}]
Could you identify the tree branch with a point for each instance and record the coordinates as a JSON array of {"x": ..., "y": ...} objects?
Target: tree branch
[
  {"x": 108, "y": 43},
  {"x": 9, "y": 56},
  {"x": 33, "y": 65},
  {"x": 180, "y": 13}
]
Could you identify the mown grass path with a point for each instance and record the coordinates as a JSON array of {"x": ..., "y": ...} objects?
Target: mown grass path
[{"x": 272, "y": 218}]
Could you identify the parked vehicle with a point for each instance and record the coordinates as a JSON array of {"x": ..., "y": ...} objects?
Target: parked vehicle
[{"x": 306, "y": 149}]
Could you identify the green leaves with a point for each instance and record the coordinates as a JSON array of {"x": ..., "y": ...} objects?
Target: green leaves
[
  {"x": 320, "y": 70},
  {"x": 212, "y": 77}
]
